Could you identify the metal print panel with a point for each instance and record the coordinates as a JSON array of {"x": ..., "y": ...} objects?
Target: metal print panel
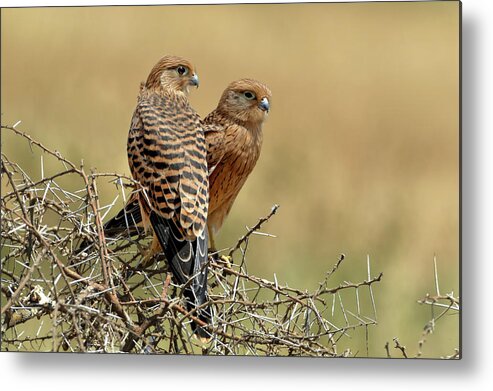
[{"x": 303, "y": 201}]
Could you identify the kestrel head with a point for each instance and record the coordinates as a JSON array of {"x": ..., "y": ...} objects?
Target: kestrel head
[
  {"x": 246, "y": 100},
  {"x": 172, "y": 72}
]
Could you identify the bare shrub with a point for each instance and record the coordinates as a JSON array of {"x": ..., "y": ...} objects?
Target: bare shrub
[{"x": 55, "y": 298}]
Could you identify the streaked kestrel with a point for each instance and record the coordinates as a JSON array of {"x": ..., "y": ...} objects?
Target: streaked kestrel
[{"x": 167, "y": 156}]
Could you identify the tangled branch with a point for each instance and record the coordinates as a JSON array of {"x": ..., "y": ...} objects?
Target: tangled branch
[{"x": 55, "y": 298}]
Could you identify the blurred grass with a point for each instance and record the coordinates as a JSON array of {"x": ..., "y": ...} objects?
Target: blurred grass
[{"x": 360, "y": 149}]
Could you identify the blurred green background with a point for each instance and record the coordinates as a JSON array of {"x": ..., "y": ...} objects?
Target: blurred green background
[{"x": 360, "y": 149}]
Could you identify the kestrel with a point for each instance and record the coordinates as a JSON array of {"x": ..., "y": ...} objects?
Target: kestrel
[
  {"x": 241, "y": 112},
  {"x": 167, "y": 156},
  {"x": 233, "y": 133}
]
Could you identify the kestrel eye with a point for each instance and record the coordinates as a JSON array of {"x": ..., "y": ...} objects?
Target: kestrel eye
[
  {"x": 182, "y": 70},
  {"x": 249, "y": 95}
]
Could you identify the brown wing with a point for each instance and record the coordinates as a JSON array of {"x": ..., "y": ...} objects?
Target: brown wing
[
  {"x": 129, "y": 219},
  {"x": 167, "y": 155},
  {"x": 214, "y": 139}
]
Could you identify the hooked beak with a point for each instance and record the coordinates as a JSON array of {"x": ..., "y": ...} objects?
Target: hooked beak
[
  {"x": 264, "y": 104},
  {"x": 194, "y": 80}
]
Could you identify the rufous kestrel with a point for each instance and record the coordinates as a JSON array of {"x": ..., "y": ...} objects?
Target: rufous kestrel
[{"x": 233, "y": 153}]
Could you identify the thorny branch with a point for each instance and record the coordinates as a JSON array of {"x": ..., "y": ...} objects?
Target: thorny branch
[
  {"x": 99, "y": 300},
  {"x": 255, "y": 228},
  {"x": 446, "y": 303}
]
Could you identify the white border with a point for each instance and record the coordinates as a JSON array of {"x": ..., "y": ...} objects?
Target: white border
[{"x": 474, "y": 371}]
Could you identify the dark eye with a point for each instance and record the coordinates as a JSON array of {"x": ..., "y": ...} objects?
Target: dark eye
[
  {"x": 249, "y": 95},
  {"x": 182, "y": 70}
]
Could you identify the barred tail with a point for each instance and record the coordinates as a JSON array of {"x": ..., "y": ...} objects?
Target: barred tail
[{"x": 187, "y": 260}]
